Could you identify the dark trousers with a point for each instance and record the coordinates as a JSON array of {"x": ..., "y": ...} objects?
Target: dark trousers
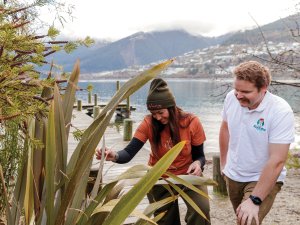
[{"x": 172, "y": 216}]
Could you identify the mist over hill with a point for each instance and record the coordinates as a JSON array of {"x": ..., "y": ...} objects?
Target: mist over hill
[{"x": 282, "y": 30}]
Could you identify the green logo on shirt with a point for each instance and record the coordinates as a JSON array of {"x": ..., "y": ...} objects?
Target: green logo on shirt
[{"x": 259, "y": 125}]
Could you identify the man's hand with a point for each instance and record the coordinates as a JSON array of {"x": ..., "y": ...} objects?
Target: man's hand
[
  {"x": 246, "y": 212},
  {"x": 195, "y": 168}
]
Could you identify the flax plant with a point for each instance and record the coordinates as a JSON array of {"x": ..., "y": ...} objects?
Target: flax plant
[{"x": 51, "y": 190}]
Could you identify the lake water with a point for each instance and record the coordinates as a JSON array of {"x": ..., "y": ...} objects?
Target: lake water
[{"x": 201, "y": 97}]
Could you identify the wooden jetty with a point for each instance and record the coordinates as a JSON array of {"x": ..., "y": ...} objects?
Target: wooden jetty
[
  {"x": 122, "y": 111},
  {"x": 102, "y": 105}
]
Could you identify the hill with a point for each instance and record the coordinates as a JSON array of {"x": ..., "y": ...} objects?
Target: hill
[
  {"x": 282, "y": 30},
  {"x": 138, "y": 49}
]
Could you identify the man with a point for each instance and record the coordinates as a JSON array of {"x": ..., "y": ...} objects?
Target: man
[{"x": 255, "y": 136}]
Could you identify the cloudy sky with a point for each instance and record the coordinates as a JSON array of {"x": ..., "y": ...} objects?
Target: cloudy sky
[{"x": 115, "y": 19}]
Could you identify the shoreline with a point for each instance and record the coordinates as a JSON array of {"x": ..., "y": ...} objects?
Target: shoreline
[{"x": 203, "y": 79}]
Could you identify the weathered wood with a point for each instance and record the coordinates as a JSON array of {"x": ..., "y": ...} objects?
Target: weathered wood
[
  {"x": 128, "y": 103},
  {"x": 2, "y": 221},
  {"x": 217, "y": 176},
  {"x": 95, "y": 99},
  {"x": 79, "y": 105},
  {"x": 127, "y": 129},
  {"x": 125, "y": 112},
  {"x": 118, "y": 85},
  {"x": 90, "y": 97},
  {"x": 96, "y": 111},
  {"x": 102, "y": 105}
]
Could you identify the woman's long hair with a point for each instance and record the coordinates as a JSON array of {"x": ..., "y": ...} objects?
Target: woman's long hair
[{"x": 175, "y": 115}]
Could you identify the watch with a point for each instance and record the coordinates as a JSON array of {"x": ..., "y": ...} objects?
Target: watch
[{"x": 256, "y": 200}]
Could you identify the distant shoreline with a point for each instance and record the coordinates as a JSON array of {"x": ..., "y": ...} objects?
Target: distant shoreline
[{"x": 225, "y": 80}]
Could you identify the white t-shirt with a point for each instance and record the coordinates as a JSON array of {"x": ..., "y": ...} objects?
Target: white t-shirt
[{"x": 251, "y": 131}]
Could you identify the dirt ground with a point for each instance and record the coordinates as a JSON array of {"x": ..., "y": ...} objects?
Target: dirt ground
[{"x": 285, "y": 211}]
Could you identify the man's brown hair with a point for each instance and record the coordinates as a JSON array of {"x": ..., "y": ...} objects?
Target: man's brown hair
[{"x": 253, "y": 72}]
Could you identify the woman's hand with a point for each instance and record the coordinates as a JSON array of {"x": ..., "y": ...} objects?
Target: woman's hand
[
  {"x": 195, "y": 168},
  {"x": 109, "y": 154}
]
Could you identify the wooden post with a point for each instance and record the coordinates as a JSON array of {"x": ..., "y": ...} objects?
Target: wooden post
[
  {"x": 90, "y": 97},
  {"x": 127, "y": 112},
  {"x": 79, "y": 105},
  {"x": 118, "y": 85},
  {"x": 128, "y": 103},
  {"x": 217, "y": 176},
  {"x": 96, "y": 111},
  {"x": 95, "y": 100},
  {"x": 127, "y": 129}
]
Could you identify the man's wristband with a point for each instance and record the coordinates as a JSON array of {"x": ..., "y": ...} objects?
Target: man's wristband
[{"x": 256, "y": 200}]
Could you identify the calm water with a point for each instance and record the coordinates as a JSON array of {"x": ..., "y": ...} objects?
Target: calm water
[{"x": 204, "y": 98}]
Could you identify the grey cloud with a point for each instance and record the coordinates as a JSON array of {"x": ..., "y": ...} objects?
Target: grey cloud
[{"x": 193, "y": 27}]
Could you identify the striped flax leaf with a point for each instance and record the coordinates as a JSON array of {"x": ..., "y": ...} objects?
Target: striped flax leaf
[
  {"x": 98, "y": 200},
  {"x": 157, "y": 218},
  {"x": 188, "y": 199},
  {"x": 99, "y": 178},
  {"x": 50, "y": 161},
  {"x": 29, "y": 189},
  {"x": 79, "y": 200},
  {"x": 60, "y": 137},
  {"x": 69, "y": 96},
  {"x": 39, "y": 161},
  {"x": 189, "y": 181},
  {"x": 108, "y": 207},
  {"x": 19, "y": 192},
  {"x": 60, "y": 134},
  {"x": 115, "y": 192},
  {"x": 151, "y": 208},
  {"x": 61, "y": 147},
  {"x": 136, "y": 168}
]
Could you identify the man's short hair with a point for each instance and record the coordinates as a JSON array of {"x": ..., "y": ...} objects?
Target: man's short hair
[{"x": 253, "y": 72}]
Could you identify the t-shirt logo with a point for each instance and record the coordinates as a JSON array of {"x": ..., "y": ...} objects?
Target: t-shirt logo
[
  {"x": 260, "y": 125},
  {"x": 168, "y": 144}
]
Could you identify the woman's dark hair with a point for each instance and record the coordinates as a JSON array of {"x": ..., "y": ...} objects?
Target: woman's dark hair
[{"x": 175, "y": 114}]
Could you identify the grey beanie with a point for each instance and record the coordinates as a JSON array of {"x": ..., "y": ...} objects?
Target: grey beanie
[{"x": 159, "y": 95}]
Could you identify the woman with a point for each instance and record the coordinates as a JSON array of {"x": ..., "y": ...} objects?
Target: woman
[{"x": 165, "y": 127}]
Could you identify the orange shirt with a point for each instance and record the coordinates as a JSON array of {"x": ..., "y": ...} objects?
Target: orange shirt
[{"x": 190, "y": 130}]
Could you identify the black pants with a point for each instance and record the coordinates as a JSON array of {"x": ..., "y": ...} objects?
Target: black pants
[{"x": 172, "y": 216}]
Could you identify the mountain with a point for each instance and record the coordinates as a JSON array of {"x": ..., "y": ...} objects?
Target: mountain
[
  {"x": 277, "y": 31},
  {"x": 144, "y": 48},
  {"x": 138, "y": 49}
]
